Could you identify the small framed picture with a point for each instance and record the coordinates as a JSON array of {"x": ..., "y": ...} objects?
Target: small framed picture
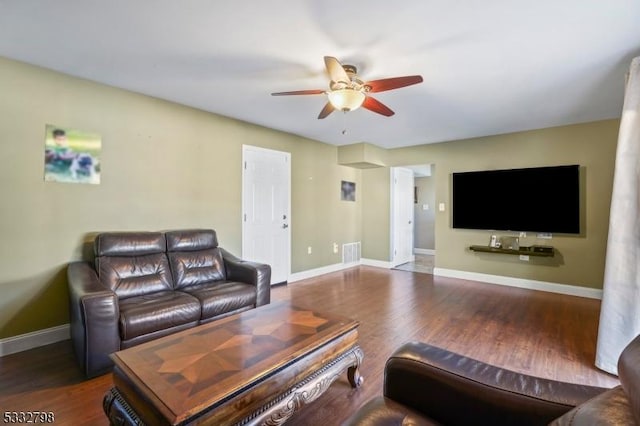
[
  {"x": 71, "y": 155},
  {"x": 347, "y": 191}
]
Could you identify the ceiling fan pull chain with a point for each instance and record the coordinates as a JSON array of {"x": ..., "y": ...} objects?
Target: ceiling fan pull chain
[{"x": 344, "y": 122}]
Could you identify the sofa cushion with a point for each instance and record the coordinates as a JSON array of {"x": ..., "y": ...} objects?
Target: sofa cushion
[
  {"x": 132, "y": 263},
  {"x": 135, "y": 275},
  {"x": 222, "y": 297},
  {"x": 196, "y": 267},
  {"x": 609, "y": 408},
  {"x": 148, "y": 313},
  {"x": 382, "y": 411}
]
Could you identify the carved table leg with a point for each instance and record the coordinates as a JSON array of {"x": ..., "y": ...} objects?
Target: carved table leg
[
  {"x": 353, "y": 372},
  {"x": 118, "y": 411}
]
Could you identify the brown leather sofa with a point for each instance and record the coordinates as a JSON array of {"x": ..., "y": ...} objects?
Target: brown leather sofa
[
  {"x": 426, "y": 385},
  {"x": 144, "y": 285}
]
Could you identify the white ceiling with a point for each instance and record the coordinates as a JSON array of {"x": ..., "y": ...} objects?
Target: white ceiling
[{"x": 489, "y": 67}]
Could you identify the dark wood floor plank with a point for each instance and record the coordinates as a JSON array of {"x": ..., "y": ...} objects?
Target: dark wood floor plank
[{"x": 537, "y": 333}]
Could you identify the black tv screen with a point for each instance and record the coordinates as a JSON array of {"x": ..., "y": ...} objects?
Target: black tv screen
[{"x": 539, "y": 199}]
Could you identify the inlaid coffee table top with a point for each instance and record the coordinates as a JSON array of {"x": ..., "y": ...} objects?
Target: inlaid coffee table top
[{"x": 197, "y": 368}]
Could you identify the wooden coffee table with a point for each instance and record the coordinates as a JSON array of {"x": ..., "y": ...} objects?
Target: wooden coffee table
[{"x": 256, "y": 367}]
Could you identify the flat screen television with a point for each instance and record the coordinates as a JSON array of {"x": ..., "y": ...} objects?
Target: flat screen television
[{"x": 538, "y": 199}]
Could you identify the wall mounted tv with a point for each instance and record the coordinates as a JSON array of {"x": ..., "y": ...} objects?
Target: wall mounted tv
[{"x": 538, "y": 199}]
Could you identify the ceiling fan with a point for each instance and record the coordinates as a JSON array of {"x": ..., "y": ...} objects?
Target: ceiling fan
[{"x": 347, "y": 92}]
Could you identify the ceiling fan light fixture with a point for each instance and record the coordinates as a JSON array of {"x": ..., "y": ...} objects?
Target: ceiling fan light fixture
[
  {"x": 346, "y": 99},
  {"x": 348, "y": 92}
]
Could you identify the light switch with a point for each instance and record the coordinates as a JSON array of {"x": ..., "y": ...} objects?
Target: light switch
[
  {"x": 441, "y": 207},
  {"x": 425, "y": 207}
]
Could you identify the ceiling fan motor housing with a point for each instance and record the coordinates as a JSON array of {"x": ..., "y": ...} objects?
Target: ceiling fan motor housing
[{"x": 354, "y": 82}]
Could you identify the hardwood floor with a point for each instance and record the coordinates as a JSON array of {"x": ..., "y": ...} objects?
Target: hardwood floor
[{"x": 537, "y": 333}]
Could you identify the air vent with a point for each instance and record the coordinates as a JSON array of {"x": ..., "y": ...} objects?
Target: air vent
[{"x": 351, "y": 253}]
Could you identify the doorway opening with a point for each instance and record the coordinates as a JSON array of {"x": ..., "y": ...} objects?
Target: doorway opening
[{"x": 423, "y": 210}]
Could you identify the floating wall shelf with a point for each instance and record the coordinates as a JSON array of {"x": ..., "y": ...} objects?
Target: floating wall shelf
[{"x": 541, "y": 251}]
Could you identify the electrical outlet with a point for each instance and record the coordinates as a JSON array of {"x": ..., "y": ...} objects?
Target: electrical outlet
[{"x": 309, "y": 250}]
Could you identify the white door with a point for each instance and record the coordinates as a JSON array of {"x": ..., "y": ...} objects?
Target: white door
[
  {"x": 266, "y": 205},
  {"x": 402, "y": 193}
]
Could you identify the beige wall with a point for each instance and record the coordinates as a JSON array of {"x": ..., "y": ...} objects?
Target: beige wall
[
  {"x": 580, "y": 259},
  {"x": 376, "y": 196},
  {"x": 164, "y": 166},
  {"x": 424, "y": 230}
]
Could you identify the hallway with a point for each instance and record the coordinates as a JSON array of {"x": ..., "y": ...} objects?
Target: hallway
[{"x": 422, "y": 264}]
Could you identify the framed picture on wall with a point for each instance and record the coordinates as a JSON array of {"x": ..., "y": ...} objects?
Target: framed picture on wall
[
  {"x": 71, "y": 155},
  {"x": 347, "y": 191}
]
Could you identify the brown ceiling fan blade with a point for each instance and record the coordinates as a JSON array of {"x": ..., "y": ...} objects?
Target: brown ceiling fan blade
[
  {"x": 377, "y": 106},
  {"x": 300, "y": 92},
  {"x": 335, "y": 69},
  {"x": 328, "y": 109},
  {"x": 393, "y": 83}
]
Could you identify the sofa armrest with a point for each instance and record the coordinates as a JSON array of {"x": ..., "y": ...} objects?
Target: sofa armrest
[
  {"x": 452, "y": 389},
  {"x": 258, "y": 274},
  {"x": 94, "y": 319}
]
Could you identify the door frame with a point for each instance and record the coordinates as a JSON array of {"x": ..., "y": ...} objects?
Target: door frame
[{"x": 257, "y": 149}]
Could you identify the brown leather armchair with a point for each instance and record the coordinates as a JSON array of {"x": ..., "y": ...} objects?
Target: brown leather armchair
[{"x": 426, "y": 385}]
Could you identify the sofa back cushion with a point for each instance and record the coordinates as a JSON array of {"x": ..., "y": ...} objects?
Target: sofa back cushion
[
  {"x": 132, "y": 263},
  {"x": 629, "y": 373},
  {"x": 195, "y": 257},
  {"x": 191, "y": 239}
]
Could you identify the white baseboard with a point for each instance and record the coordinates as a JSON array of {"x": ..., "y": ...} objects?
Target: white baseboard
[
  {"x": 23, "y": 342},
  {"x": 310, "y": 273},
  {"x": 376, "y": 263},
  {"x": 570, "y": 290},
  {"x": 432, "y": 252}
]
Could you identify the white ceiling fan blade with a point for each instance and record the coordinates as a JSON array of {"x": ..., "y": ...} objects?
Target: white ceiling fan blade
[{"x": 335, "y": 70}]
